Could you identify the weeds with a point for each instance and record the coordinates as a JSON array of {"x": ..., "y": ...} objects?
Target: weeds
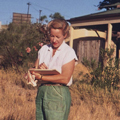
[
  {"x": 107, "y": 75},
  {"x": 10, "y": 117},
  {"x": 18, "y": 102},
  {"x": 91, "y": 64}
]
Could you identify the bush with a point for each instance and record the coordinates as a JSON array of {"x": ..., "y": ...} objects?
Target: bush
[
  {"x": 91, "y": 64},
  {"x": 107, "y": 76},
  {"x": 19, "y": 44}
]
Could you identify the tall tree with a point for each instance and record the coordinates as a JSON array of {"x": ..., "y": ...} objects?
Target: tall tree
[
  {"x": 43, "y": 18},
  {"x": 107, "y": 2},
  {"x": 56, "y": 15}
]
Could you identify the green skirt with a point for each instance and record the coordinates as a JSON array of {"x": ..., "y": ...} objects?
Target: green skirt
[{"x": 53, "y": 103}]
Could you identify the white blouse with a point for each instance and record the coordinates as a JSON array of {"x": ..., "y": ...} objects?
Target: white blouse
[{"x": 63, "y": 55}]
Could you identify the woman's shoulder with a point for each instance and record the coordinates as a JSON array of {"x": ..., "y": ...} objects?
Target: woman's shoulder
[
  {"x": 68, "y": 54},
  {"x": 68, "y": 48},
  {"x": 69, "y": 51}
]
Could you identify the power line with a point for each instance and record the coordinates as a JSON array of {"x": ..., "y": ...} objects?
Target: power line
[
  {"x": 35, "y": 9},
  {"x": 48, "y": 9},
  {"x": 43, "y": 7}
]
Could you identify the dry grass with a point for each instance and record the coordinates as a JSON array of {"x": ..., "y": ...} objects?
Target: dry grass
[
  {"x": 88, "y": 104},
  {"x": 91, "y": 104},
  {"x": 17, "y": 100}
]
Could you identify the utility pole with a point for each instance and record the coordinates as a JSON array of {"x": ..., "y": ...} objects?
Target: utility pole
[
  {"x": 40, "y": 15},
  {"x": 28, "y": 10}
]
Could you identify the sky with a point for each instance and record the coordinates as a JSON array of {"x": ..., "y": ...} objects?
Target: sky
[{"x": 67, "y": 8}]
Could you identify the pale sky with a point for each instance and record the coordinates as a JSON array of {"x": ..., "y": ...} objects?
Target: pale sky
[{"x": 67, "y": 8}]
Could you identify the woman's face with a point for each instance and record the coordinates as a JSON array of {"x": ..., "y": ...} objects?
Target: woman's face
[{"x": 56, "y": 37}]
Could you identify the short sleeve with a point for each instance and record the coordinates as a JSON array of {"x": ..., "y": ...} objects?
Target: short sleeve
[
  {"x": 41, "y": 51},
  {"x": 69, "y": 56}
]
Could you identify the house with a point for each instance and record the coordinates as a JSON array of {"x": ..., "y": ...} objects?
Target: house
[
  {"x": 3, "y": 27},
  {"x": 20, "y": 18},
  {"x": 92, "y": 32}
]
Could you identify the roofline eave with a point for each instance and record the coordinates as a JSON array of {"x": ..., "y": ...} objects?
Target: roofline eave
[
  {"x": 91, "y": 23},
  {"x": 89, "y": 18}
]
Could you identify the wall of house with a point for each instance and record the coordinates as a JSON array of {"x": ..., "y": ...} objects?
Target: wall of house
[
  {"x": 4, "y": 27},
  {"x": 87, "y": 43},
  {"x": 89, "y": 48},
  {"x": 79, "y": 33}
]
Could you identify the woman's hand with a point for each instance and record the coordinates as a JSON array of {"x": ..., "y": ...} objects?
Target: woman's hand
[
  {"x": 42, "y": 66},
  {"x": 37, "y": 75}
]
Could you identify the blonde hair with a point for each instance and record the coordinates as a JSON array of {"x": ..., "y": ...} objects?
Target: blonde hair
[{"x": 59, "y": 24}]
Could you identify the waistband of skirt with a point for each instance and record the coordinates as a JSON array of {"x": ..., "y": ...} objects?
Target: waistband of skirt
[{"x": 52, "y": 84}]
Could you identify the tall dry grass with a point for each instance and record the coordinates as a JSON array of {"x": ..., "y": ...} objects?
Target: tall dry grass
[
  {"x": 89, "y": 103},
  {"x": 17, "y": 99}
]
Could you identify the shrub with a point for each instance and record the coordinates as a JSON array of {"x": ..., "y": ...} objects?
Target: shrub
[
  {"x": 89, "y": 63},
  {"x": 108, "y": 75},
  {"x": 19, "y": 44}
]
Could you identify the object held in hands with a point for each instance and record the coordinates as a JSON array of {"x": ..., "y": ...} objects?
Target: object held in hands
[
  {"x": 45, "y": 71},
  {"x": 30, "y": 79}
]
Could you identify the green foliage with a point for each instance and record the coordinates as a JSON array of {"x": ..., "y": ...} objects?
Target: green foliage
[
  {"x": 19, "y": 44},
  {"x": 107, "y": 2},
  {"x": 107, "y": 76},
  {"x": 43, "y": 18},
  {"x": 91, "y": 64},
  {"x": 56, "y": 15}
]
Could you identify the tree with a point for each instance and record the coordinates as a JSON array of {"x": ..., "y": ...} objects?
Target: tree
[
  {"x": 102, "y": 4},
  {"x": 19, "y": 44},
  {"x": 56, "y": 15},
  {"x": 43, "y": 18}
]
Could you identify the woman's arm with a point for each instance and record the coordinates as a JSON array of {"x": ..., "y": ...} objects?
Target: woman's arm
[
  {"x": 36, "y": 63},
  {"x": 41, "y": 66},
  {"x": 63, "y": 78}
]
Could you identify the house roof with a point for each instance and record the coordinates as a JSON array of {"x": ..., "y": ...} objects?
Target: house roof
[
  {"x": 105, "y": 15},
  {"x": 110, "y": 5},
  {"x": 98, "y": 20}
]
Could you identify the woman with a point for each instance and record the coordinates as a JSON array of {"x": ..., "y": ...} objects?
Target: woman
[{"x": 53, "y": 98}]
